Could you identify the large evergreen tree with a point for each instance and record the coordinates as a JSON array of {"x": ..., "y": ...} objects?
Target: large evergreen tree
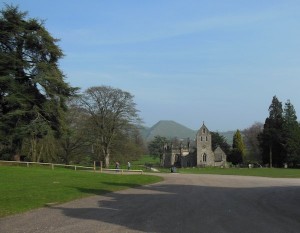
[
  {"x": 238, "y": 149},
  {"x": 291, "y": 133},
  {"x": 271, "y": 139},
  {"x": 220, "y": 140},
  {"x": 33, "y": 90}
]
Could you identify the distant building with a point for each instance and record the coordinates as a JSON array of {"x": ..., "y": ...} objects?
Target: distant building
[{"x": 196, "y": 153}]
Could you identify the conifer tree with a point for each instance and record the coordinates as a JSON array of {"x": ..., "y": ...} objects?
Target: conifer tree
[
  {"x": 238, "y": 149},
  {"x": 33, "y": 89},
  {"x": 271, "y": 139},
  {"x": 220, "y": 140},
  {"x": 291, "y": 134}
]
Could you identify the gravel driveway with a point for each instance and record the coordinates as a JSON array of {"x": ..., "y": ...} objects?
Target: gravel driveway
[{"x": 181, "y": 203}]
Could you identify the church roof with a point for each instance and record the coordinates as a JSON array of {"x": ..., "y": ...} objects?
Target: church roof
[{"x": 203, "y": 129}]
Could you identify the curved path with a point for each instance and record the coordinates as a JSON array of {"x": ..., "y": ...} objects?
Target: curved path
[{"x": 181, "y": 203}]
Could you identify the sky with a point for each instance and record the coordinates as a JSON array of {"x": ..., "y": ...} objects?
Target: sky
[{"x": 190, "y": 61}]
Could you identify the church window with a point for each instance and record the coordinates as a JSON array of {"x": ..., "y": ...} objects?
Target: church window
[
  {"x": 206, "y": 138},
  {"x": 201, "y": 138},
  {"x": 204, "y": 130},
  {"x": 204, "y": 157}
]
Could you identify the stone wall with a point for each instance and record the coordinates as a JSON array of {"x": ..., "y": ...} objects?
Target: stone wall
[{"x": 203, "y": 155}]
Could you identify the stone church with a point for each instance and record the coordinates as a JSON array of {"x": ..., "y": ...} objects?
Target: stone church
[{"x": 197, "y": 153}]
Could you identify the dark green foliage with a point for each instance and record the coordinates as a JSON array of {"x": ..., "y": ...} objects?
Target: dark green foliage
[
  {"x": 238, "y": 149},
  {"x": 220, "y": 140},
  {"x": 292, "y": 147},
  {"x": 33, "y": 90},
  {"x": 291, "y": 134},
  {"x": 156, "y": 147},
  {"x": 272, "y": 136},
  {"x": 235, "y": 157}
]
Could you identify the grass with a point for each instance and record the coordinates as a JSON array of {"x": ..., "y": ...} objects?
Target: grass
[
  {"x": 264, "y": 172},
  {"x": 23, "y": 189},
  {"x": 140, "y": 163},
  {"x": 146, "y": 159}
]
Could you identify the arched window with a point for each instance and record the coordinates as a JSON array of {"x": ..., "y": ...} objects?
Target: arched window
[
  {"x": 204, "y": 157},
  {"x": 203, "y": 130},
  {"x": 206, "y": 138},
  {"x": 201, "y": 138}
]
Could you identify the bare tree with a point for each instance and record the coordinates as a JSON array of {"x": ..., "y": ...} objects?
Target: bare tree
[
  {"x": 111, "y": 111},
  {"x": 75, "y": 138},
  {"x": 251, "y": 141}
]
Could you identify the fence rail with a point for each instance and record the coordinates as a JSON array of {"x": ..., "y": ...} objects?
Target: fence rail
[
  {"x": 53, "y": 165},
  {"x": 122, "y": 170}
]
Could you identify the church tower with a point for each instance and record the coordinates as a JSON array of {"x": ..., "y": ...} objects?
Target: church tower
[{"x": 205, "y": 155}]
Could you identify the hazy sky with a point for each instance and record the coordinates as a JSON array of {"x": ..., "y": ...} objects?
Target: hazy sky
[{"x": 218, "y": 61}]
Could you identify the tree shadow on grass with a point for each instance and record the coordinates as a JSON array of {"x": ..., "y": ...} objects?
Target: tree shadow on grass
[{"x": 95, "y": 191}]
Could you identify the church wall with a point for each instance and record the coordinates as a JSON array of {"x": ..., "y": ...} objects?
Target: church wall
[
  {"x": 171, "y": 157},
  {"x": 203, "y": 156},
  {"x": 220, "y": 164}
]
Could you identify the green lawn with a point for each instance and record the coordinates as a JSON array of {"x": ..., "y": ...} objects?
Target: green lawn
[
  {"x": 265, "y": 172},
  {"x": 146, "y": 159},
  {"x": 23, "y": 189},
  {"x": 140, "y": 163}
]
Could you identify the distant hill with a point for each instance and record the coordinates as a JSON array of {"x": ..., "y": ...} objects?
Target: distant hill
[
  {"x": 171, "y": 129},
  {"x": 168, "y": 129}
]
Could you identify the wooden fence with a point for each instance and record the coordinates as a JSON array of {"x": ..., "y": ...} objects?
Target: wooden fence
[{"x": 75, "y": 167}]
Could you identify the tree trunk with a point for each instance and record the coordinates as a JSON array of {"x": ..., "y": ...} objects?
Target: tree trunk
[
  {"x": 271, "y": 157},
  {"x": 40, "y": 154},
  {"x": 106, "y": 153},
  {"x": 33, "y": 149},
  {"x": 162, "y": 160},
  {"x": 107, "y": 160}
]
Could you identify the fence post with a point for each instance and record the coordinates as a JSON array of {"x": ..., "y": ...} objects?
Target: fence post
[
  {"x": 52, "y": 165},
  {"x": 100, "y": 166},
  {"x": 75, "y": 168},
  {"x": 27, "y": 164},
  {"x": 94, "y": 166}
]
